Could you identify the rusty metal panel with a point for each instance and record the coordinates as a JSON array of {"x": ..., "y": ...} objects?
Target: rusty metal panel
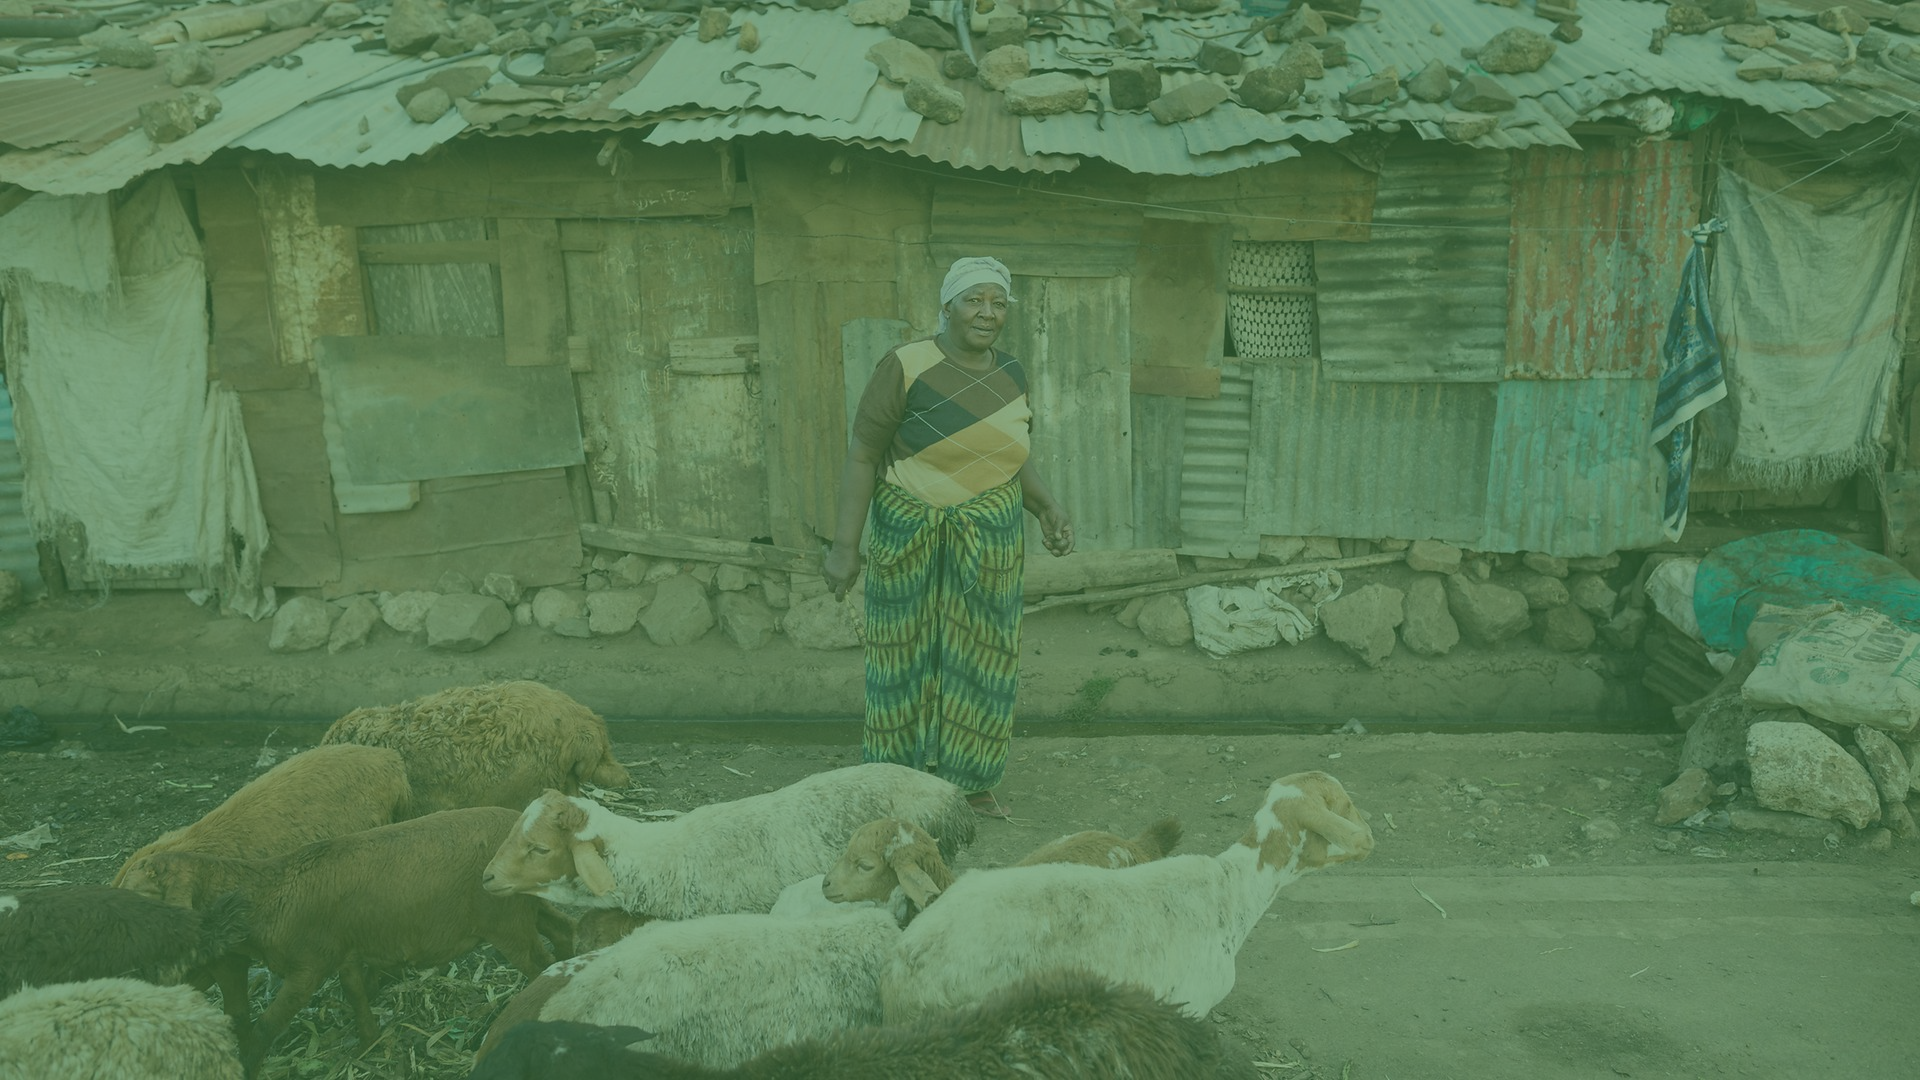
[
  {"x": 676, "y": 452},
  {"x": 1369, "y": 460},
  {"x": 509, "y": 523},
  {"x": 1573, "y": 471},
  {"x": 1597, "y": 248},
  {"x": 806, "y": 64},
  {"x": 1072, "y": 336},
  {"x": 1425, "y": 300},
  {"x": 1216, "y": 434}
]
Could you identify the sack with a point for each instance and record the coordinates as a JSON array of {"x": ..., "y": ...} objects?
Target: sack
[
  {"x": 1237, "y": 618},
  {"x": 1850, "y": 667}
]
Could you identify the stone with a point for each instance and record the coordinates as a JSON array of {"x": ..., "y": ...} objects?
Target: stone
[
  {"x": 629, "y": 570},
  {"x": 703, "y": 573},
  {"x": 1514, "y": 51},
  {"x": 1793, "y": 826},
  {"x": 523, "y": 614},
  {"x": 473, "y": 30},
  {"x": 730, "y": 578},
  {"x": 1281, "y": 549},
  {"x": 680, "y": 613},
  {"x": 1565, "y": 629},
  {"x": 1333, "y": 50},
  {"x": 1429, "y": 629},
  {"x": 1688, "y": 794},
  {"x": 1432, "y": 557},
  {"x": 597, "y": 581},
  {"x": 1842, "y": 20},
  {"x": 1195, "y": 99},
  {"x": 1005, "y": 29},
  {"x": 1875, "y": 42},
  {"x": 575, "y": 627},
  {"x": 1760, "y": 67},
  {"x": 1220, "y": 58},
  {"x": 429, "y": 105},
  {"x": 1466, "y": 127},
  {"x": 745, "y": 619},
  {"x": 1488, "y": 614},
  {"x": 504, "y": 587},
  {"x": 1592, "y": 595},
  {"x": 821, "y": 622},
  {"x": 1600, "y": 830},
  {"x": 1129, "y": 614},
  {"x": 1050, "y": 94},
  {"x": 1431, "y": 83},
  {"x": 713, "y": 22},
  {"x": 1750, "y": 36},
  {"x": 1266, "y": 89},
  {"x": 776, "y": 593},
  {"x": 170, "y": 119},
  {"x": 1303, "y": 22},
  {"x": 413, "y": 25},
  {"x": 748, "y": 39},
  {"x": 1163, "y": 620},
  {"x": 901, "y": 62},
  {"x": 1899, "y": 819},
  {"x": 1133, "y": 84},
  {"x": 302, "y": 623},
  {"x": 293, "y": 15},
  {"x": 1320, "y": 548},
  {"x": 925, "y": 33},
  {"x": 614, "y": 611},
  {"x": 1594, "y": 564},
  {"x": 876, "y": 12},
  {"x": 1567, "y": 31},
  {"x": 12, "y": 593},
  {"x": 1796, "y": 768},
  {"x": 573, "y": 56},
  {"x": 1303, "y": 60},
  {"x": 1625, "y": 631},
  {"x": 1541, "y": 591},
  {"x": 513, "y": 41},
  {"x": 553, "y": 606},
  {"x": 190, "y": 65},
  {"x": 938, "y": 103},
  {"x": 1817, "y": 72},
  {"x": 120, "y": 48},
  {"x": 1364, "y": 620},
  {"x": 1885, "y": 763},
  {"x": 453, "y": 581},
  {"x": 822, "y": 5},
  {"x": 957, "y": 65},
  {"x": 1004, "y": 66},
  {"x": 335, "y": 16},
  {"x": 661, "y": 571},
  {"x": 1541, "y": 563},
  {"x": 1478, "y": 93},
  {"x": 406, "y": 613},
  {"x": 466, "y": 622},
  {"x": 1128, "y": 28},
  {"x": 1907, "y": 18},
  {"x": 350, "y": 630},
  {"x": 1380, "y": 89}
]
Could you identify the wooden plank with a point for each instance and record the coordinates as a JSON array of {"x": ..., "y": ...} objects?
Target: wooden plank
[
  {"x": 703, "y": 548},
  {"x": 1317, "y": 196},
  {"x": 732, "y": 355},
  {"x": 1159, "y": 447},
  {"x": 290, "y": 464},
  {"x": 533, "y": 292},
  {"x": 1215, "y": 577},
  {"x": 519, "y": 523},
  {"x": 862, "y": 343},
  {"x": 1203, "y": 382},
  {"x": 442, "y": 251},
  {"x": 1035, "y": 233},
  {"x": 1178, "y": 305},
  {"x": 1046, "y": 575}
]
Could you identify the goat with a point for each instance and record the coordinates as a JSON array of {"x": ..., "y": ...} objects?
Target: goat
[
  {"x": 405, "y": 894},
  {"x": 326, "y": 791},
  {"x": 495, "y": 745},
  {"x": 1095, "y": 848},
  {"x": 1056, "y": 1026},
  {"x": 1172, "y": 926},
  {"x": 115, "y": 1029},
  {"x": 888, "y": 863},
  {"x": 721, "y": 858}
]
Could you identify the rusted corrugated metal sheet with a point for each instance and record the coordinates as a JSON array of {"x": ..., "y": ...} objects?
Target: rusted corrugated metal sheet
[
  {"x": 1573, "y": 472},
  {"x": 987, "y": 136},
  {"x": 1071, "y": 333},
  {"x": 1138, "y": 143},
  {"x": 1597, "y": 245},
  {"x": 1213, "y": 470},
  {"x": 1426, "y": 298},
  {"x": 1371, "y": 460},
  {"x": 806, "y": 64},
  {"x": 366, "y": 126}
]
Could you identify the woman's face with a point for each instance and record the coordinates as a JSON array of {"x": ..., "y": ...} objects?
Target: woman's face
[{"x": 976, "y": 317}]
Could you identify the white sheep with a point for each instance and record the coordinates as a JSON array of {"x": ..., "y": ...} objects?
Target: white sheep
[
  {"x": 1059, "y": 1026},
  {"x": 322, "y": 792},
  {"x": 495, "y": 745},
  {"x": 721, "y": 858},
  {"x": 1095, "y": 848},
  {"x": 115, "y": 1029},
  {"x": 1172, "y": 926}
]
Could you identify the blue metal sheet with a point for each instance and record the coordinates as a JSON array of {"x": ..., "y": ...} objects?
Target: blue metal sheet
[{"x": 1573, "y": 472}]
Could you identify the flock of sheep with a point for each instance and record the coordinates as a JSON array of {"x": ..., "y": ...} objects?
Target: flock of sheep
[{"x": 810, "y": 932}]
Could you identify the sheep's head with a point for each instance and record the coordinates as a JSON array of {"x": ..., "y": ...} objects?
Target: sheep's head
[
  {"x": 550, "y": 846},
  {"x": 163, "y": 875},
  {"x": 1309, "y": 822},
  {"x": 593, "y": 761},
  {"x": 885, "y": 854}
]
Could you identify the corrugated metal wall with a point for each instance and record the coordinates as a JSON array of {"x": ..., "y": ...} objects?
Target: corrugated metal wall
[
  {"x": 1213, "y": 470},
  {"x": 1573, "y": 472},
  {"x": 18, "y": 552}
]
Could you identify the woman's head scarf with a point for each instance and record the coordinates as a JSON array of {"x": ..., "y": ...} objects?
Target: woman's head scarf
[{"x": 971, "y": 271}]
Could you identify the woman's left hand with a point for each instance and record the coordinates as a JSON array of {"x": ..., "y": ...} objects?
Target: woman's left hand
[{"x": 1056, "y": 530}]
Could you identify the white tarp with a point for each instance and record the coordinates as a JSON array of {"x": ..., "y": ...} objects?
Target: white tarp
[{"x": 1235, "y": 618}]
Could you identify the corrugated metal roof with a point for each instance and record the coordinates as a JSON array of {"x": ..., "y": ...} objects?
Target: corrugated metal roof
[
  {"x": 1573, "y": 472},
  {"x": 987, "y": 136},
  {"x": 883, "y": 116},
  {"x": 19, "y": 553},
  {"x": 1139, "y": 143},
  {"x": 814, "y": 64},
  {"x": 364, "y": 127},
  {"x": 1213, "y": 470},
  {"x": 1367, "y": 459}
]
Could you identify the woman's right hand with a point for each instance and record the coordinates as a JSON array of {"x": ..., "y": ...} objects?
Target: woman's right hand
[{"x": 841, "y": 566}]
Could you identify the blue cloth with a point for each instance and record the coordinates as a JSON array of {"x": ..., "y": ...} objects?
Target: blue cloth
[
  {"x": 1795, "y": 568},
  {"x": 1691, "y": 378}
]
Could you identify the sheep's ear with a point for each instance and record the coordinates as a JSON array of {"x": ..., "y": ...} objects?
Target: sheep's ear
[
  {"x": 1351, "y": 840},
  {"x": 918, "y": 885},
  {"x": 591, "y": 868}
]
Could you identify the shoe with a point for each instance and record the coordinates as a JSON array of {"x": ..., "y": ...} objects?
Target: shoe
[{"x": 986, "y": 805}]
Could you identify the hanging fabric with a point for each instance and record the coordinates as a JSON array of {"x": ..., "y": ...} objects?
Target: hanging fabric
[{"x": 1691, "y": 378}]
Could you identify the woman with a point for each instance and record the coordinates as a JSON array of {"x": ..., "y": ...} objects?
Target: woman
[{"x": 940, "y": 453}]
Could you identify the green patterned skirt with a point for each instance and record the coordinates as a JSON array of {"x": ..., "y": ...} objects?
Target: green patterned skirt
[{"x": 943, "y": 633}]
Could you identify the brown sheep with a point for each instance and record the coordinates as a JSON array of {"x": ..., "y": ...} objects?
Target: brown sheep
[
  {"x": 406, "y": 894},
  {"x": 495, "y": 745},
  {"x": 1095, "y": 848},
  {"x": 885, "y": 855},
  {"x": 326, "y": 791}
]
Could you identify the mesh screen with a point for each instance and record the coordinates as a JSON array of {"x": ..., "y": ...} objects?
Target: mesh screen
[{"x": 1270, "y": 326}]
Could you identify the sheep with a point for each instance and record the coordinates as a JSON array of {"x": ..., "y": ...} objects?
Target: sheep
[
  {"x": 1172, "y": 926},
  {"x": 326, "y": 791},
  {"x": 533, "y": 997},
  {"x": 1106, "y": 849},
  {"x": 889, "y": 863},
  {"x": 494, "y": 745},
  {"x": 717, "y": 859},
  {"x": 402, "y": 894},
  {"x": 115, "y": 1029},
  {"x": 73, "y": 933},
  {"x": 1064, "y": 1025}
]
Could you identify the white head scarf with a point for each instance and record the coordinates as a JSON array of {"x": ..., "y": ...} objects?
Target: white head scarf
[{"x": 968, "y": 272}]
